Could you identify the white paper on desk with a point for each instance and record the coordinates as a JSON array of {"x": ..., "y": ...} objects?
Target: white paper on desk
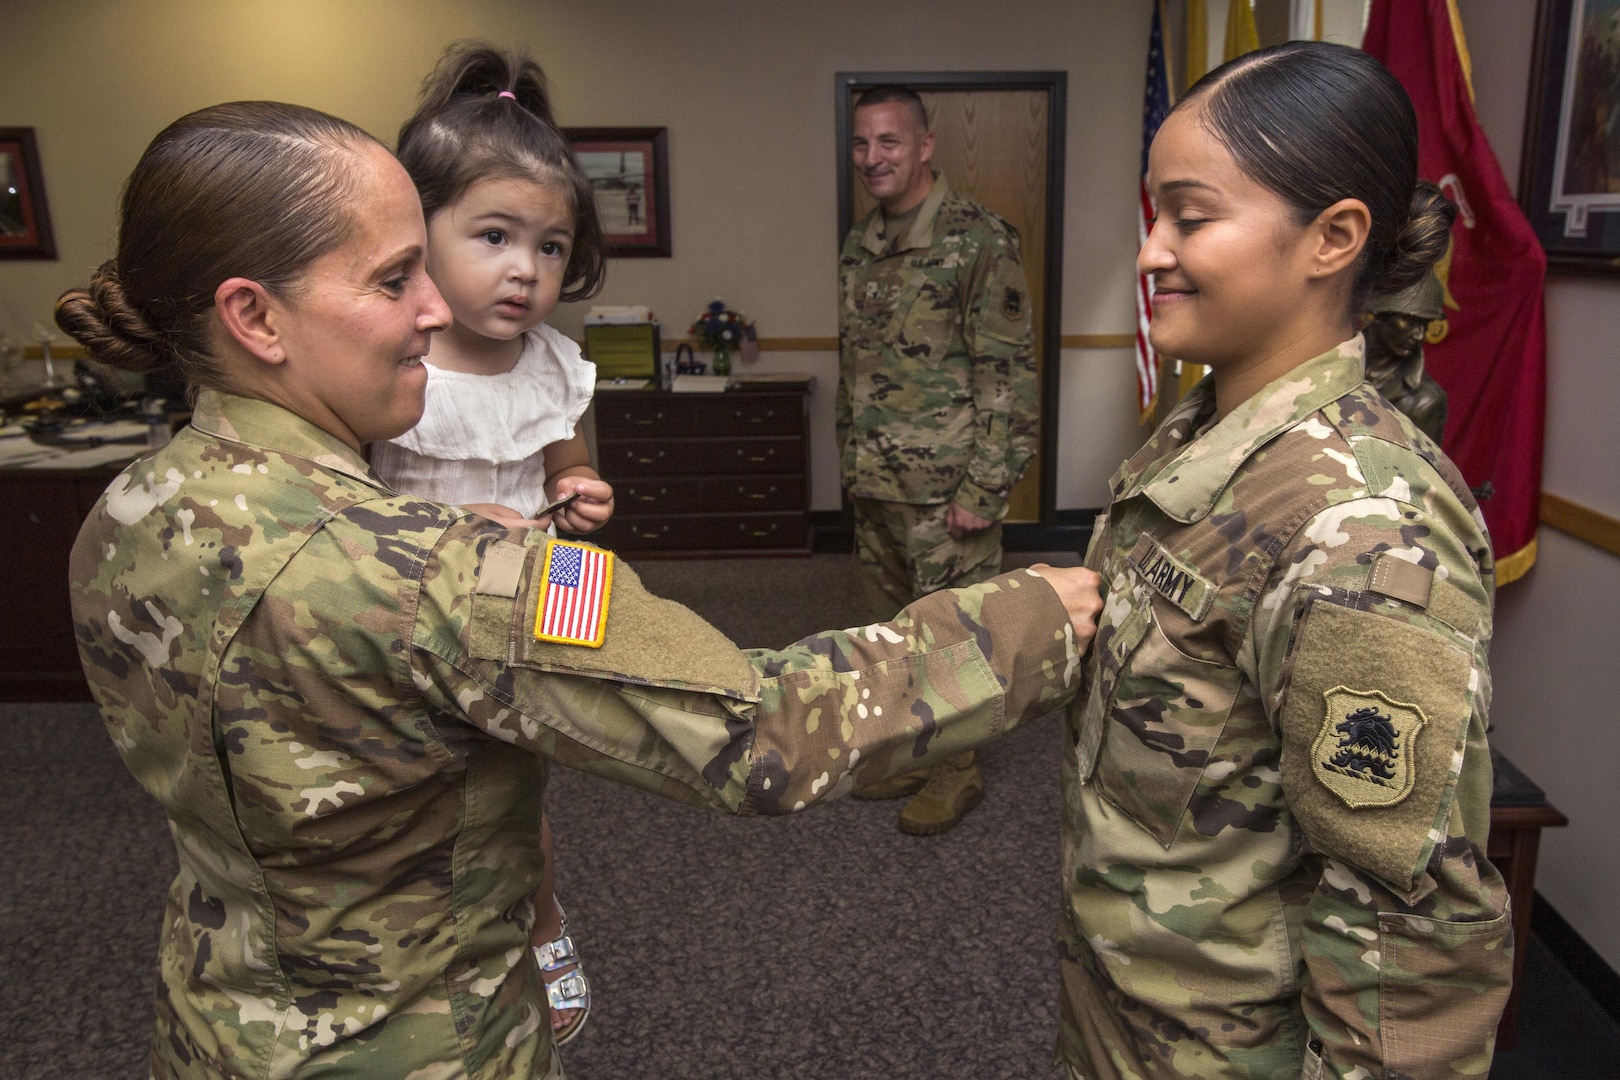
[
  {"x": 700, "y": 384},
  {"x": 16, "y": 452},
  {"x": 87, "y": 459},
  {"x": 106, "y": 431},
  {"x": 618, "y": 314}
]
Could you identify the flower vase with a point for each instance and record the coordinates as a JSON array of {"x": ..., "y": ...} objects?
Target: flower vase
[{"x": 721, "y": 364}]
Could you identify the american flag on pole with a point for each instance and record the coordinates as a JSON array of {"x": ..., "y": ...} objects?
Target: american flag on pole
[
  {"x": 574, "y": 591},
  {"x": 1156, "y": 103}
]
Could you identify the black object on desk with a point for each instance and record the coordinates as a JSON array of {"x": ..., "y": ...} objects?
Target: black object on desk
[{"x": 1510, "y": 787}]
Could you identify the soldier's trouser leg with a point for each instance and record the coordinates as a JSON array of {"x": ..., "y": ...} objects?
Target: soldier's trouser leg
[
  {"x": 938, "y": 562},
  {"x": 906, "y": 552},
  {"x": 880, "y": 546}
]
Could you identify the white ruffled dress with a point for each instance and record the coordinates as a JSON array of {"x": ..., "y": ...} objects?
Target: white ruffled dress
[{"x": 481, "y": 437}]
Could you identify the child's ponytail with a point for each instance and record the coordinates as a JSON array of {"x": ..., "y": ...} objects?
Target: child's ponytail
[{"x": 473, "y": 70}]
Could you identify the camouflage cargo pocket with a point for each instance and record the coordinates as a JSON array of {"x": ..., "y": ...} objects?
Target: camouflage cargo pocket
[
  {"x": 1168, "y": 712},
  {"x": 1094, "y": 549},
  {"x": 1112, "y": 648},
  {"x": 1435, "y": 978},
  {"x": 926, "y": 323}
]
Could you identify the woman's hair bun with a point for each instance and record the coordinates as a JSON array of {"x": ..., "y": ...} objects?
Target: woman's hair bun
[
  {"x": 102, "y": 319},
  {"x": 1421, "y": 242}
]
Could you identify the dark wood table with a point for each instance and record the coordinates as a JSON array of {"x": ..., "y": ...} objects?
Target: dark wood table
[
  {"x": 39, "y": 655},
  {"x": 1519, "y": 811}
]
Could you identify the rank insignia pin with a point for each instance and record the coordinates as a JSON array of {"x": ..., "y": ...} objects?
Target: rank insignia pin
[{"x": 1012, "y": 304}]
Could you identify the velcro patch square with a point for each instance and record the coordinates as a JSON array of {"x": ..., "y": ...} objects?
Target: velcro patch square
[{"x": 575, "y": 586}]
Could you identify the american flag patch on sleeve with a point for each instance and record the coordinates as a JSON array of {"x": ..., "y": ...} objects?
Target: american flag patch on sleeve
[{"x": 574, "y": 589}]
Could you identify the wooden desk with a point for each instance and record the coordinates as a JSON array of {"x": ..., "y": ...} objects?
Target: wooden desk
[
  {"x": 39, "y": 656},
  {"x": 1519, "y": 811},
  {"x": 1515, "y": 842},
  {"x": 706, "y": 474}
]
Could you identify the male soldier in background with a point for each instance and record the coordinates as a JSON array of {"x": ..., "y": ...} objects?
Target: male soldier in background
[{"x": 936, "y": 402}]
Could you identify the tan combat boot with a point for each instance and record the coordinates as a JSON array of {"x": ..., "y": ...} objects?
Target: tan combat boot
[
  {"x": 954, "y": 788},
  {"x": 895, "y": 787}
]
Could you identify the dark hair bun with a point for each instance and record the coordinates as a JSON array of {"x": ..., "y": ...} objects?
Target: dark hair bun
[
  {"x": 104, "y": 321},
  {"x": 1421, "y": 241}
]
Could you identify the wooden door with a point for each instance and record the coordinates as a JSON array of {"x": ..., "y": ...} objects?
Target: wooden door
[{"x": 991, "y": 144}]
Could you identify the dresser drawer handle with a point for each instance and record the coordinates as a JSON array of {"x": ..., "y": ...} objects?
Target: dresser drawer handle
[
  {"x": 757, "y": 457},
  {"x": 753, "y": 494},
  {"x": 654, "y": 535}
]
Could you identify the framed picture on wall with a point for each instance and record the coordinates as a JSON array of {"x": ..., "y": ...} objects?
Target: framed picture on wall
[
  {"x": 1570, "y": 179},
  {"x": 25, "y": 222},
  {"x": 629, "y": 173}
]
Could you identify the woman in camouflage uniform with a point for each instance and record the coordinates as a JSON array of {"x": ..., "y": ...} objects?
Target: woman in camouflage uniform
[
  {"x": 1277, "y": 787},
  {"x": 345, "y": 698}
]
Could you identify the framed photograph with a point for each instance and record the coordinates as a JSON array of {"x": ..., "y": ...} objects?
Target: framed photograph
[
  {"x": 25, "y": 223},
  {"x": 1570, "y": 180},
  {"x": 629, "y": 172}
]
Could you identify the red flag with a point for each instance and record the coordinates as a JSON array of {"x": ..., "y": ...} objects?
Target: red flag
[{"x": 1492, "y": 357}]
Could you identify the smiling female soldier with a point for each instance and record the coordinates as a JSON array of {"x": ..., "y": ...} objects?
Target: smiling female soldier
[
  {"x": 1277, "y": 786},
  {"x": 346, "y": 698}
]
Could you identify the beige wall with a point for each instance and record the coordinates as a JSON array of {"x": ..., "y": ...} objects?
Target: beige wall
[
  {"x": 746, "y": 89},
  {"x": 1554, "y": 658}
]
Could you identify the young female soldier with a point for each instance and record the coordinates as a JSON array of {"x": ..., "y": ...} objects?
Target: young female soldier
[{"x": 1277, "y": 786}]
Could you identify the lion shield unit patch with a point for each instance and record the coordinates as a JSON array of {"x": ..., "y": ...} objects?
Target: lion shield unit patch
[{"x": 1364, "y": 752}]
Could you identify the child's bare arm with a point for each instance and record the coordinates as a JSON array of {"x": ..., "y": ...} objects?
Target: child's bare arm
[{"x": 568, "y": 470}]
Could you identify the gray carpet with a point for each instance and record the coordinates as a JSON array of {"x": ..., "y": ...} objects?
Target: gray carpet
[{"x": 827, "y": 945}]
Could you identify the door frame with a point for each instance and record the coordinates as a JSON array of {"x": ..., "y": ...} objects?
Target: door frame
[{"x": 1055, "y": 84}]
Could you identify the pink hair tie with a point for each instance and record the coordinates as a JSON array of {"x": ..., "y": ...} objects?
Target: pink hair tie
[{"x": 507, "y": 94}]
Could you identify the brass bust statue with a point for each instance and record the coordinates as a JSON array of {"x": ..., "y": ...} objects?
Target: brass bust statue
[{"x": 1395, "y": 331}]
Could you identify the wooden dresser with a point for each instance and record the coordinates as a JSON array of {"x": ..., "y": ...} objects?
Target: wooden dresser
[
  {"x": 39, "y": 654},
  {"x": 706, "y": 474}
]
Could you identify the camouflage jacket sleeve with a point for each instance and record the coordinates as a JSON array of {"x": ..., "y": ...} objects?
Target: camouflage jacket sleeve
[
  {"x": 1371, "y": 643},
  {"x": 843, "y": 412},
  {"x": 843, "y": 409},
  {"x": 999, "y": 335},
  {"x": 669, "y": 705}
]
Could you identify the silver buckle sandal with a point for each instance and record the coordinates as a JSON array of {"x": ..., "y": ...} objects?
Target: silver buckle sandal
[{"x": 573, "y": 990}]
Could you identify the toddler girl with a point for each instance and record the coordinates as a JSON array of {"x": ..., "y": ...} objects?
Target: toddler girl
[{"x": 512, "y": 230}]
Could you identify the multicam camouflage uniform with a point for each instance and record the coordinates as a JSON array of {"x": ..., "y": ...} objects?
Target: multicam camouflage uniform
[
  {"x": 936, "y": 395},
  {"x": 336, "y": 694},
  {"x": 1277, "y": 788}
]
